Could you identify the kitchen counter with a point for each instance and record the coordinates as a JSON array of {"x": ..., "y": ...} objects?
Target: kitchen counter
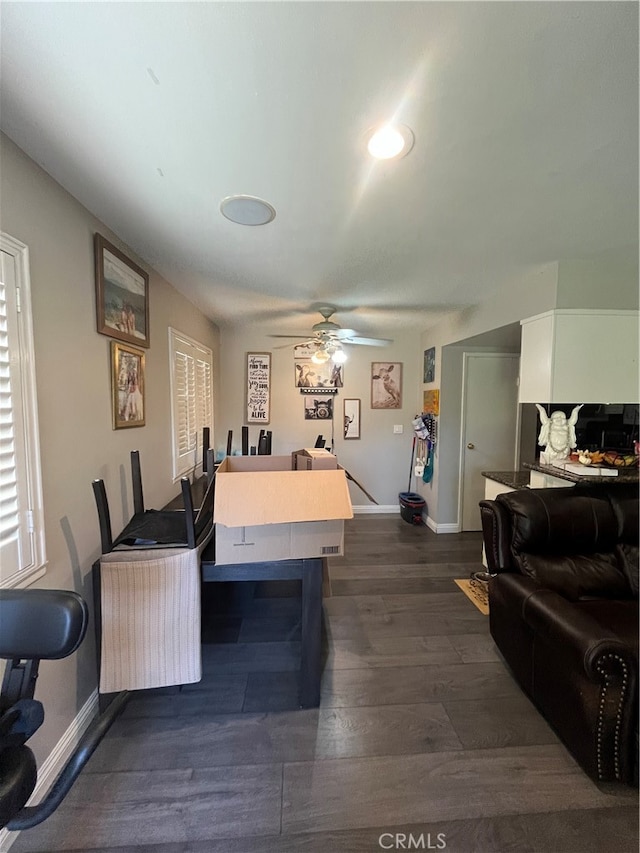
[
  {"x": 625, "y": 475},
  {"x": 512, "y": 479}
]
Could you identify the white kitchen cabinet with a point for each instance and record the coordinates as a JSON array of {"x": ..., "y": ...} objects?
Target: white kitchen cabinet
[{"x": 583, "y": 356}]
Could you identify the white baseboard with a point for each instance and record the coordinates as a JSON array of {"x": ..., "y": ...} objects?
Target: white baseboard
[
  {"x": 442, "y": 528},
  {"x": 53, "y": 764},
  {"x": 395, "y": 508},
  {"x": 376, "y": 508}
]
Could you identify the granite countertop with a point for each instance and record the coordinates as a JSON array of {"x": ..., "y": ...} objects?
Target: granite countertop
[
  {"x": 513, "y": 479},
  {"x": 625, "y": 475}
]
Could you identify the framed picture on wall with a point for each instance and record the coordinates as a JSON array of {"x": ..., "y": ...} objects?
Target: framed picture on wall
[
  {"x": 127, "y": 386},
  {"x": 431, "y": 402},
  {"x": 386, "y": 385},
  {"x": 430, "y": 364},
  {"x": 351, "y": 422},
  {"x": 122, "y": 295},
  {"x": 258, "y": 388},
  {"x": 318, "y": 409}
]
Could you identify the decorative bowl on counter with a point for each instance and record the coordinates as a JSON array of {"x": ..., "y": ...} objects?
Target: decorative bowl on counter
[
  {"x": 613, "y": 459},
  {"x": 606, "y": 458}
]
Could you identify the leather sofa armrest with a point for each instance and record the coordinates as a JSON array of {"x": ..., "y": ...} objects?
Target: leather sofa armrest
[
  {"x": 551, "y": 616},
  {"x": 580, "y": 675},
  {"x": 585, "y": 682},
  {"x": 514, "y": 588},
  {"x": 496, "y": 534}
]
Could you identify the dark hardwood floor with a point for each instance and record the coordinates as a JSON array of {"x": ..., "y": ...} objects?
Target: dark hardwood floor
[{"x": 422, "y": 739}]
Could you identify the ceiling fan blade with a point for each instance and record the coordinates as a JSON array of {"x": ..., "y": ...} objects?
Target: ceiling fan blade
[
  {"x": 328, "y": 335},
  {"x": 341, "y": 334},
  {"x": 300, "y": 342},
  {"x": 367, "y": 342}
]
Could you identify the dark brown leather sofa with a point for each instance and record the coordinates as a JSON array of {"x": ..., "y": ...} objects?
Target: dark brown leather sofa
[{"x": 563, "y": 604}]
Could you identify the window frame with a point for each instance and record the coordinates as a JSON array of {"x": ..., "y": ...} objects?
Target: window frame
[{"x": 28, "y": 462}]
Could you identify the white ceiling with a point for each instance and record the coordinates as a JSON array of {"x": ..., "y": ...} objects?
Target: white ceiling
[{"x": 526, "y": 143}]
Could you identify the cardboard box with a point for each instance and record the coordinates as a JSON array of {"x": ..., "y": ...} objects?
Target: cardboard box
[
  {"x": 313, "y": 459},
  {"x": 264, "y": 510}
]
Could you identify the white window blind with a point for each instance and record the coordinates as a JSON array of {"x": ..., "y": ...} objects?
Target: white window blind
[
  {"x": 9, "y": 515},
  {"x": 191, "y": 398},
  {"x": 185, "y": 404},
  {"x": 21, "y": 529},
  {"x": 204, "y": 401}
]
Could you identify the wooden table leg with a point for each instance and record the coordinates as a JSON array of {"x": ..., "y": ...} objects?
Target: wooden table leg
[{"x": 310, "y": 664}]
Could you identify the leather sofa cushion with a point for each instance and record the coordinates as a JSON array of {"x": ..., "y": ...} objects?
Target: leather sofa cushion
[
  {"x": 575, "y": 576},
  {"x": 552, "y": 521},
  {"x": 625, "y": 501},
  {"x": 629, "y": 558}
]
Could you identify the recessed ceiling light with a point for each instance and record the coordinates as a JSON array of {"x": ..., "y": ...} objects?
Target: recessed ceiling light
[
  {"x": 390, "y": 141},
  {"x": 247, "y": 210}
]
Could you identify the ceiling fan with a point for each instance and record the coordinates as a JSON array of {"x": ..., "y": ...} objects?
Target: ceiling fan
[{"x": 328, "y": 338}]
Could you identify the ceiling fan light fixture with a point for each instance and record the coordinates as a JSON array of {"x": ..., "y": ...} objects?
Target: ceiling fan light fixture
[
  {"x": 247, "y": 210},
  {"x": 391, "y": 142},
  {"x": 320, "y": 356},
  {"x": 339, "y": 356}
]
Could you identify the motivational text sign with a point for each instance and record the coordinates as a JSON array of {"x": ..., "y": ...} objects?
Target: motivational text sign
[{"x": 258, "y": 387}]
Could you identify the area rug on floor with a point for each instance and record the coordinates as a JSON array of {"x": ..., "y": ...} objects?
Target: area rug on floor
[{"x": 477, "y": 592}]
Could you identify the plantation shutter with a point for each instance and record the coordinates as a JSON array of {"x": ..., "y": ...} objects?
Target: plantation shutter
[
  {"x": 16, "y": 527},
  {"x": 192, "y": 399},
  {"x": 204, "y": 403},
  {"x": 185, "y": 403}
]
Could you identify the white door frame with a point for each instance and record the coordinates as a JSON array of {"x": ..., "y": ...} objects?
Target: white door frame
[{"x": 463, "y": 420}]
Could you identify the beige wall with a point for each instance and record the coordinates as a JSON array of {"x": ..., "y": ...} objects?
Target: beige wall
[
  {"x": 607, "y": 280},
  {"x": 530, "y": 295},
  {"x": 379, "y": 460},
  {"x": 77, "y": 441}
]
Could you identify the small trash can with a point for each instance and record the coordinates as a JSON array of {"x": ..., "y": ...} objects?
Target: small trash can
[{"x": 411, "y": 507}]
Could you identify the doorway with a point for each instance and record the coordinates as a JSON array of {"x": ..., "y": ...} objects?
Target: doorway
[{"x": 489, "y": 426}]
